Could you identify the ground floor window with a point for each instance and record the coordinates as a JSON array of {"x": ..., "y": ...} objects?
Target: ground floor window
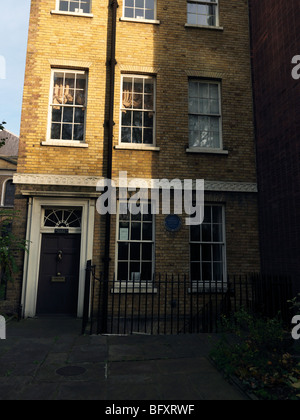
[
  {"x": 135, "y": 245},
  {"x": 207, "y": 247}
]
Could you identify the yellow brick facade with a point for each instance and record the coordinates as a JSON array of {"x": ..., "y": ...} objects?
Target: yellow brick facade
[{"x": 172, "y": 53}]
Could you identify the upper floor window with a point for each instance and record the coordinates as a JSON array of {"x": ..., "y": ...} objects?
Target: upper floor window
[
  {"x": 204, "y": 114},
  {"x": 74, "y": 6},
  {"x": 140, "y": 9},
  {"x": 138, "y": 110},
  {"x": 68, "y": 105},
  {"x": 202, "y": 13}
]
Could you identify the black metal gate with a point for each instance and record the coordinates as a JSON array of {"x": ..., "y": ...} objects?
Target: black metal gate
[{"x": 173, "y": 305}]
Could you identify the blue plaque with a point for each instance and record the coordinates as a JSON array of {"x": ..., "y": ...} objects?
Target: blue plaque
[{"x": 172, "y": 223}]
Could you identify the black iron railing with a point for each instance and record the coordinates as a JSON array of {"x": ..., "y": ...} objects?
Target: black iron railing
[{"x": 174, "y": 305}]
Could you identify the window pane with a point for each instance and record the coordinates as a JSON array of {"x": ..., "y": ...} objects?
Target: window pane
[
  {"x": 78, "y": 132},
  {"x": 68, "y": 114},
  {"x": 56, "y": 114},
  {"x": 74, "y": 5},
  {"x": 63, "y": 6},
  {"x": 129, "y": 3},
  {"x": 126, "y": 118},
  {"x": 123, "y": 271},
  {"x": 195, "y": 271},
  {"x": 137, "y": 119},
  {"x": 147, "y": 231},
  {"x": 148, "y": 136},
  {"x": 135, "y": 252},
  {"x": 148, "y": 119},
  {"x": 217, "y": 233},
  {"x": 195, "y": 233},
  {"x": 79, "y": 115},
  {"x": 140, "y": 3},
  {"x": 206, "y": 233},
  {"x": 147, "y": 252},
  {"x": 129, "y": 13},
  {"x": 126, "y": 135},
  {"x": 67, "y": 132},
  {"x": 206, "y": 272},
  {"x": 137, "y": 135},
  {"x": 195, "y": 252},
  {"x": 217, "y": 253},
  {"x": 146, "y": 274},
  {"x": 123, "y": 251},
  {"x": 134, "y": 269},
  {"x": 206, "y": 253},
  {"x": 136, "y": 231},
  {"x": 217, "y": 271},
  {"x": 55, "y": 131}
]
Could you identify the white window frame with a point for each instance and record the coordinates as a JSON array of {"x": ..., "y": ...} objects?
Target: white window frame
[
  {"x": 131, "y": 144},
  {"x": 140, "y": 19},
  {"x": 200, "y": 148},
  {"x": 76, "y": 12},
  {"x": 62, "y": 142},
  {"x": 136, "y": 286},
  {"x": 214, "y": 3},
  {"x": 3, "y": 195},
  {"x": 214, "y": 285}
]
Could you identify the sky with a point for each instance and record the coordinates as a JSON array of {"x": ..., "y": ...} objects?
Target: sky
[{"x": 13, "y": 46}]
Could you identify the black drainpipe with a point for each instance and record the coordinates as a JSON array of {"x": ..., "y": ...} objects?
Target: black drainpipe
[{"x": 113, "y": 4}]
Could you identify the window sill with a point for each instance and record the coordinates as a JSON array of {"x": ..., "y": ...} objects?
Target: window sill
[
  {"x": 130, "y": 146},
  {"x": 206, "y": 151},
  {"x": 207, "y": 289},
  {"x": 59, "y": 12},
  {"x": 212, "y": 28},
  {"x": 64, "y": 143},
  {"x": 151, "y": 21},
  {"x": 122, "y": 288}
]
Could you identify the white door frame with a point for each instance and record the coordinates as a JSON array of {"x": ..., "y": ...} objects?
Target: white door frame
[{"x": 34, "y": 238}]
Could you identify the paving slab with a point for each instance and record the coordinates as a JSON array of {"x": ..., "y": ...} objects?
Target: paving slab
[{"x": 49, "y": 359}]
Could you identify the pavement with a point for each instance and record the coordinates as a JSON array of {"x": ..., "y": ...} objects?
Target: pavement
[{"x": 48, "y": 359}]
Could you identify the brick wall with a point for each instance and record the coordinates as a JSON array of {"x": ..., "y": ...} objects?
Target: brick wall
[
  {"x": 275, "y": 41},
  {"x": 171, "y": 53}
]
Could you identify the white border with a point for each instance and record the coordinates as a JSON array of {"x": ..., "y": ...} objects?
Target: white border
[{"x": 34, "y": 238}]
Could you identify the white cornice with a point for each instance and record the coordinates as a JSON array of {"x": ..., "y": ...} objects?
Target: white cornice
[
  {"x": 46, "y": 179},
  {"x": 92, "y": 181}
]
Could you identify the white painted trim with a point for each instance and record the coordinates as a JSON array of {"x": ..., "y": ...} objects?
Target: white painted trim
[
  {"x": 4, "y": 190},
  {"x": 136, "y": 20},
  {"x": 214, "y": 28},
  {"x": 59, "y": 12},
  {"x": 64, "y": 143},
  {"x": 207, "y": 150},
  {"x": 70, "y": 180},
  {"x": 63, "y": 180},
  {"x": 134, "y": 146},
  {"x": 34, "y": 238}
]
